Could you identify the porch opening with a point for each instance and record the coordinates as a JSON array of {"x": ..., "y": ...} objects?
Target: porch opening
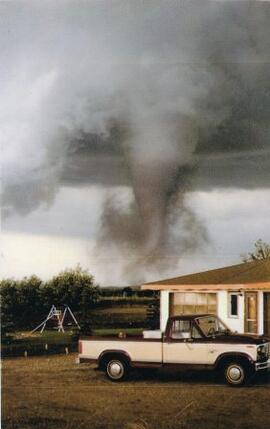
[
  {"x": 192, "y": 303},
  {"x": 266, "y": 313},
  {"x": 251, "y": 312}
]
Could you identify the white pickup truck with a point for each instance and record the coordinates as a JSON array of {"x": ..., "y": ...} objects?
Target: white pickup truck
[{"x": 190, "y": 342}]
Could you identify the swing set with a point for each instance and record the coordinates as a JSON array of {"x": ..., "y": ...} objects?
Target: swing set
[{"x": 59, "y": 317}]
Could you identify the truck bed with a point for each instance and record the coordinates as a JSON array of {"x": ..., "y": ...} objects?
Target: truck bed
[{"x": 139, "y": 349}]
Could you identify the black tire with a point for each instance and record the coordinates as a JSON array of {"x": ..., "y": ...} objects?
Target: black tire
[
  {"x": 237, "y": 374},
  {"x": 117, "y": 369}
]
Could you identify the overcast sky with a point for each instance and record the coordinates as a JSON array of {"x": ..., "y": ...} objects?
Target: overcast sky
[{"x": 135, "y": 138}]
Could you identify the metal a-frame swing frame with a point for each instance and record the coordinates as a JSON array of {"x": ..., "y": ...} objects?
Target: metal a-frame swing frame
[{"x": 54, "y": 313}]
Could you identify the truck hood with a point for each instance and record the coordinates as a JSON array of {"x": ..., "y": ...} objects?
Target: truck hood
[{"x": 241, "y": 339}]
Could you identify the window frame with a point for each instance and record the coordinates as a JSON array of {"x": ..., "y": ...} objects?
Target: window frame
[
  {"x": 230, "y": 315},
  {"x": 192, "y": 326},
  {"x": 179, "y": 304}
]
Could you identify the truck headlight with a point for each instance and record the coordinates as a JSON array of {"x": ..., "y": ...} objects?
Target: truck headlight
[{"x": 262, "y": 352}]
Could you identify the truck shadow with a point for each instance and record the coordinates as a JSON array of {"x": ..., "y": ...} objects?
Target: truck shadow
[{"x": 194, "y": 377}]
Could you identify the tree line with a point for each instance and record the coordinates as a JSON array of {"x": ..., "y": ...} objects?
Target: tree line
[{"x": 24, "y": 303}]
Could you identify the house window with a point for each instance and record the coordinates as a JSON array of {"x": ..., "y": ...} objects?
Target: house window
[
  {"x": 192, "y": 303},
  {"x": 233, "y": 305}
]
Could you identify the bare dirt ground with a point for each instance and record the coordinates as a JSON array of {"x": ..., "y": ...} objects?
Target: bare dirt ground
[{"x": 53, "y": 392}]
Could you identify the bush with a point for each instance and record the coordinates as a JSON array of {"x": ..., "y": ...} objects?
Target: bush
[
  {"x": 75, "y": 288},
  {"x": 153, "y": 314}
]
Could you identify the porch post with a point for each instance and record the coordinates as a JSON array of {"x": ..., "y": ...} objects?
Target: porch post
[
  {"x": 164, "y": 309},
  {"x": 260, "y": 313}
]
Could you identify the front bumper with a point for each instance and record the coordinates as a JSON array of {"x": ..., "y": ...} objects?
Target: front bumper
[{"x": 263, "y": 365}]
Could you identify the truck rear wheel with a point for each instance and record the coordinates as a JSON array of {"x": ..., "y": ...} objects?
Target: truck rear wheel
[
  {"x": 116, "y": 369},
  {"x": 236, "y": 373}
]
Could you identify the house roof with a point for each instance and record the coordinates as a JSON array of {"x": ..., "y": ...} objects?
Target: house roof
[{"x": 248, "y": 275}]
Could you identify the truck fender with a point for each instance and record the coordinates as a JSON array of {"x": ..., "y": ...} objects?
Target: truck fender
[
  {"x": 113, "y": 352},
  {"x": 232, "y": 355}
]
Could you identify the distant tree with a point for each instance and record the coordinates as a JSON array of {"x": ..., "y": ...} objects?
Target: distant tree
[
  {"x": 127, "y": 291},
  {"x": 148, "y": 293},
  {"x": 73, "y": 287},
  {"x": 30, "y": 302},
  {"x": 9, "y": 306},
  {"x": 262, "y": 251},
  {"x": 21, "y": 303}
]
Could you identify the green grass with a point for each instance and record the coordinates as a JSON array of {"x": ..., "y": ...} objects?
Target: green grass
[
  {"x": 47, "y": 337},
  {"x": 122, "y": 309},
  {"x": 38, "y": 344},
  {"x": 134, "y": 298}
]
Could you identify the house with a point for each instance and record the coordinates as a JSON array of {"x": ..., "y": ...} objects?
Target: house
[{"x": 239, "y": 295}]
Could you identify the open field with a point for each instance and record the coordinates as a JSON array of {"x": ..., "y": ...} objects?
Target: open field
[
  {"x": 122, "y": 309},
  {"x": 53, "y": 392}
]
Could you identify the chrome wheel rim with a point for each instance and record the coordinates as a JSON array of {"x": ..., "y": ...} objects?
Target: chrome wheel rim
[
  {"x": 115, "y": 369},
  {"x": 235, "y": 374}
]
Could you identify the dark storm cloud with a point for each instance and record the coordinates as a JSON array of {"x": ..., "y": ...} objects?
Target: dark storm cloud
[{"x": 163, "y": 97}]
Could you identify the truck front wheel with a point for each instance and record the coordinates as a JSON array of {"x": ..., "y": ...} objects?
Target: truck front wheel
[
  {"x": 116, "y": 369},
  {"x": 236, "y": 373}
]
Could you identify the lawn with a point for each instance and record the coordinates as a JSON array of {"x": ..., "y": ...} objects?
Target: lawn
[
  {"x": 53, "y": 392},
  {"x": 48, "y": 336},
  {"x": 38, "y": 344}
]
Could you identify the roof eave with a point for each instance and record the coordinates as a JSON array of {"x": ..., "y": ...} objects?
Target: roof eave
[{"x": 263, "y": 286}]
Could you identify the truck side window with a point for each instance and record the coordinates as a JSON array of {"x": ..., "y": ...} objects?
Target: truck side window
[
  {"x": 195, "y": 333},
  {"x": 180, "y": 329}
]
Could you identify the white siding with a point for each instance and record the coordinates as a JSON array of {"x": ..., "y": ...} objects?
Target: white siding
[
  {"x": 164, "y": 309},
  {"x": 234, "y": 323},
  {"x": 260, "y": 313}
]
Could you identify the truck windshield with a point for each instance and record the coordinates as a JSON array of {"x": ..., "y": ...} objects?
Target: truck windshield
[{"x": 212, "y": 326}]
